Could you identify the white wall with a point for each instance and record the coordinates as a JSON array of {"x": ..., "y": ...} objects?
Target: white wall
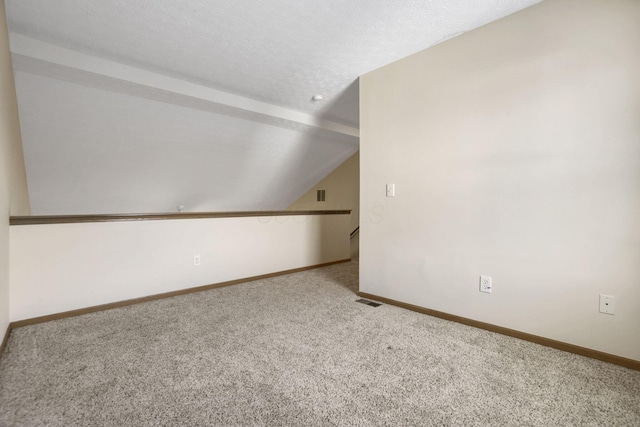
[
  {"x": 13, "y": 189},
  {"x": 515, "y": 151},
  {"x": 61, "y": 267}
]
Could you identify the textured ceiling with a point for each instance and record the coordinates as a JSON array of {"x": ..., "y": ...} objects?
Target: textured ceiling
[
  {"x": 140, "y": 106},
  {"x": 130, "y": 154},
  {"x": 277, "y": 51}
]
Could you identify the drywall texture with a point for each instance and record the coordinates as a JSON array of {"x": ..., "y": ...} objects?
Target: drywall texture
[
  {"x": 515, "y": 151},
  {"x": 61, "y": 267}
]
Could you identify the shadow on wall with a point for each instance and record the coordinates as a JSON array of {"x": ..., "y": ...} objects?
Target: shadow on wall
[{"x": 355, "y": 246}]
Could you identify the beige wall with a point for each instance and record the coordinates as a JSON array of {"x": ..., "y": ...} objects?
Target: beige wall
[
  {"x": 342, "y": 191},
  {"x": 515, "y": 151},
  {"x": 13, "y": 190},
  {"x": 14, "y": 158},
  {"x": 61, "y": 267},
  {"x": 5, "y": 143}
]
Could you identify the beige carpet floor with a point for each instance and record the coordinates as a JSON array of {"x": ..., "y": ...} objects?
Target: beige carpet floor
[{"x": 297, "y": 350}]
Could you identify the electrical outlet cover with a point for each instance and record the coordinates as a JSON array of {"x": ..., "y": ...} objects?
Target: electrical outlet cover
[
  {"x": 607, "y": 304},
  {"x": 485, "y": 284}
]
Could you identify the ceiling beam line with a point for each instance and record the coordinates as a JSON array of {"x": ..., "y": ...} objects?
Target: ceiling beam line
[{"x": 42, "y": 51}]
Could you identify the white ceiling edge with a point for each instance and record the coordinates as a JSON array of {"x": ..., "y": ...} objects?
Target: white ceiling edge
[{"x": 49, "y": 53}]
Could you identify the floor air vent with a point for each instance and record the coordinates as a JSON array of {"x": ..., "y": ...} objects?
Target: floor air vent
[{"x": 366, "y": 301}]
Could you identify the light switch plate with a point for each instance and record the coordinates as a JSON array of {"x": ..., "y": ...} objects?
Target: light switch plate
[{"x": 391, "y": 190}]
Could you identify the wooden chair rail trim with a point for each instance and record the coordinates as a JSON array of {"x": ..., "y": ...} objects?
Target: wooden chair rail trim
[
  {"x": 70, "y": 219},
  {"x": 559, "y": 345}
]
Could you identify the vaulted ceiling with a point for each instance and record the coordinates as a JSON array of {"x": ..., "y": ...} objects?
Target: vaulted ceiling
[{"x": 143, "y": 106}]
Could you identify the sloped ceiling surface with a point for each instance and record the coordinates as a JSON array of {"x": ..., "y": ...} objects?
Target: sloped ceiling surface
[{"x": 142, "y": 106}]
